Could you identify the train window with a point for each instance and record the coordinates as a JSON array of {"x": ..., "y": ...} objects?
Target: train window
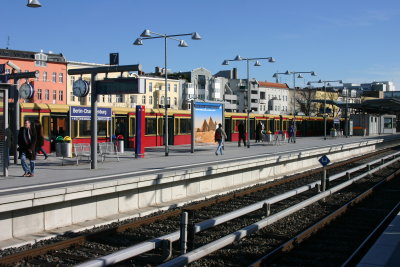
[
  {"x": 102, "y": 128},
  {"x": 185, "y": 126},
  {"x": 46, "y": 126},
  {"x": 176, "y": 128},
  {"x": 132, "y": 126},
  {"x": 84, "y": 128},
  {"x": 151, "y": 126},
  {"x": 285, "y": 125}
]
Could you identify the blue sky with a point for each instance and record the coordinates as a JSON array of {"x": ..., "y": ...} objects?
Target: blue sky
[{"x": 353, "y": 40}]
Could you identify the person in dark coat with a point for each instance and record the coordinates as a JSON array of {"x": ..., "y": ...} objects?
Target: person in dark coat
[
  {"x": 40, "y": 139},
  {"x": 291, "y": 134},
  {"x": 242, "y": 133},
  {"x": 26, "y": 148},
  {"x": 258, "y": 132}
]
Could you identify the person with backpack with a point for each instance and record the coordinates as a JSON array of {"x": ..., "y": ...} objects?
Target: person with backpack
[{"x": 219, "y": 136}]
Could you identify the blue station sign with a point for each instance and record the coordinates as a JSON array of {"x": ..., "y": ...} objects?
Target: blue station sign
[
  {"x": 324, "y": 160},
  {"x": 83, "y": 113}
]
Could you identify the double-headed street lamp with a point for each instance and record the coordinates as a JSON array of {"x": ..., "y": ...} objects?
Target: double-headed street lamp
[
  {"x": 146, "y": 35},
  {"x": 299, "y": 75},
  {"x": 257, "y": 64},
  {"x": 325, "y": 84}
]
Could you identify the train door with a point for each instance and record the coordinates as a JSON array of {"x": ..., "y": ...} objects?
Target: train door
[
  {"x": 228, "y": 129},
  {"x": 252, "y": 128},
  {"x": 272, "y": 125},
  {"x": 121, "y": 128},
  {"x": 170, "y": 130},
  {"x": 59, "y": 126}
]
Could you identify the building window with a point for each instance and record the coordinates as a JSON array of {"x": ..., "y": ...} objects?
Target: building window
[
  {"x": 162, "y": 101},
  {"x": 169, "y": 87},
  {"x": 175, "y": 101},
  {"x": 72, "y": 97},
  {"x": 40, "y": 60},
  {"x": 37, "y": 78},
  {"x": 72, "y": 79},
  {"x": 150, "y": 87},
  {"x": 60, "y": 95},
  {"x": 47, "y": 94},
  {"x": 61, "y": 77},
  {"x": 143, "y": 100},
  {"x": 39, "y": 94},
  {"x": 54, "y": 77},
  {"x": 45, "y": 76},
  {"x": 175, "y": 88},
  {"x": 168, "y": 101},
  {"x": 54, "y": 94},
  {"x": 7, "y": 71},
  {"x": 109, "y": 98},
  {"x": 150, "y": 100},
  {"x": 119, "y": 98}
]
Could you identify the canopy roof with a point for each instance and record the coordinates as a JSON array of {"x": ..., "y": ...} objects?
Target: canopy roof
[{"x": 383, "y": 106}]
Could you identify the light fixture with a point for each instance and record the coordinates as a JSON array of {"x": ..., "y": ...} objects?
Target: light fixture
[
  {"x": 271, "y": 59},
  {"x": 300, "y": 76},
  {"x": 138, "y": 41},
  {"x": 196, "y": 36},
  {"x": 257, "y": 64},
  {"x": 33, "y": 3},
  {"x": 275, "y": 75},
  {"x": 238, "y": 58},
  {"x": 313, "y": 73},
  {"x": 182, "y": 43},
  {"x": 226, "y": 62},
  {"x": 287, "y": 72},
  {"x": 146, "y": 33}
]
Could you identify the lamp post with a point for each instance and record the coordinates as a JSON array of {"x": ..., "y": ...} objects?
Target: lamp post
[
  {"x": 33, "y": 3},
  {"x": 325, "y": 84},
  {"x": 294, "y": 92},
  {"x": 146, "y": 35},
  {"x": 257, "y": 64}
]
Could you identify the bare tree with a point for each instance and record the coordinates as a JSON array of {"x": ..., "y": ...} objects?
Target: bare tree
[{"x": 304, "y": 99}]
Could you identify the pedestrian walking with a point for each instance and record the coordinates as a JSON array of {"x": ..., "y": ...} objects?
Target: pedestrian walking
[
  {"x": 219, "y": 136},
  {"x": 40, "y": 139},
  {"x": 258, "y": 132},
  {"x": 291, "y": 134},
  {"x": 26, "y": 148},
  {"x": 242, "y": 133}
]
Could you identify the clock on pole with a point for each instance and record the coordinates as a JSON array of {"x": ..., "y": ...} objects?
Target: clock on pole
[{"x": 80, "y": 88}]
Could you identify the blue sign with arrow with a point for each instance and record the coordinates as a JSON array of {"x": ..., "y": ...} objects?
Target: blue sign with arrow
[{"x": 324, "y": 160}]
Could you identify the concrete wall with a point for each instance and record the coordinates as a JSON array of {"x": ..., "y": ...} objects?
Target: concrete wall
[{"x": 34, "y": 212}]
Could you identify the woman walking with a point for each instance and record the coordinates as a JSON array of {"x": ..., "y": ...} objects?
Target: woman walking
[
  {"x": 40, "y": 139},
  {"x": 26, "y": 148}
]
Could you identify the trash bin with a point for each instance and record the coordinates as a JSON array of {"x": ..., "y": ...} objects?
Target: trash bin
[
  {"x": 120, "y": 146},
  {"x": 58, "y": 150},
  {"x": 66, "y": 150},
  {"x": 120, "y": 143}
]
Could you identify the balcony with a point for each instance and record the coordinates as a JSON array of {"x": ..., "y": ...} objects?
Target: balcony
[
  {"x": 263, "y": 101},
  {"x": 230, "y": 97},
  {"x": 254, "y": 105}
]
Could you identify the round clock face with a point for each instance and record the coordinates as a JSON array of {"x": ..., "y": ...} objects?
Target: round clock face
[
  {"x": 80, "y": 88},
  {"x": 26, "y": 91}
]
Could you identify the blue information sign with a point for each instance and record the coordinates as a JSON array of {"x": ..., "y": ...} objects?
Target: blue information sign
[
  {"x": 324, "y": 160},
  {"x": 83, "y": 113}
]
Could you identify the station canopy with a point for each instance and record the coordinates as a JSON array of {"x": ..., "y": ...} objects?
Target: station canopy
[{"x": 381, "y": 105}]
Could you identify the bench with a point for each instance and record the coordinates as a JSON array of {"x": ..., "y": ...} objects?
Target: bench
[
  {"x": 82, "y": 150},
  {"x": 108, "y": 148}
]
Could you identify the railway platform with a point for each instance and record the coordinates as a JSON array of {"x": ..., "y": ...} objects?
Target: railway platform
[
  {"x": 386, "y": 250},
  {"x": 73, "y": 198}
]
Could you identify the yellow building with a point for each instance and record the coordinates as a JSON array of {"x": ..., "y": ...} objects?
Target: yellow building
[
  {"x": 329, "y": 95},
  {"x": 152, "y": 98}
]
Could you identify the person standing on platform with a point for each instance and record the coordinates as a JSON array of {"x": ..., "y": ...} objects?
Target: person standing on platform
[
  {"x": 258, "y": 132},
  {"x": 26, "y": 148},
  {"x": 242, "y": 133},
  {"x": 219, "y": 136},
  {"x": 291, "y": 134},
  {"x": 40, "y": 139}
]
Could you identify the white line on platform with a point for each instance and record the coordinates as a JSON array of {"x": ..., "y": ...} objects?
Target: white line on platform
[{"x": 80, "y": 180}]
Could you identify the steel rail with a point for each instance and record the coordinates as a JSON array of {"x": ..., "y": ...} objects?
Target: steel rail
[
  {"x": 248, "y": 230},
  {"x": 157, "y": 242}
]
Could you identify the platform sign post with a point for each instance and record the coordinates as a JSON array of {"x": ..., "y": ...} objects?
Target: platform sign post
[
  {"x": 324, "y": 160},
  {"x": 192, "y": 137},
  {"x": 140, "y": 129}
]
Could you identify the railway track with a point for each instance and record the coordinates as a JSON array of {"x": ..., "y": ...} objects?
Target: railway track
[{"x": 94, "y": 244}]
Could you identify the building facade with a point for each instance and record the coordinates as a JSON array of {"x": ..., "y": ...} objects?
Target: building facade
[{"x": 50, "y": 87}]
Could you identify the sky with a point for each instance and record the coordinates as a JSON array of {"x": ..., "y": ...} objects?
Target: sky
[{"x": 353, "y": 40}]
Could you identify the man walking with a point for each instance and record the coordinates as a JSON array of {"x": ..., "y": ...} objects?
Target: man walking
[
  {"x": 291, "y": 134},
  {"x": 218, "y": 137},
  {"x": 242, "y": 133},
  {"x": 26, "y": 148}
]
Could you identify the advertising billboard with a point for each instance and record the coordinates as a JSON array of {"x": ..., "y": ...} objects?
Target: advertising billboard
[{"x": 207, "y": 116}]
